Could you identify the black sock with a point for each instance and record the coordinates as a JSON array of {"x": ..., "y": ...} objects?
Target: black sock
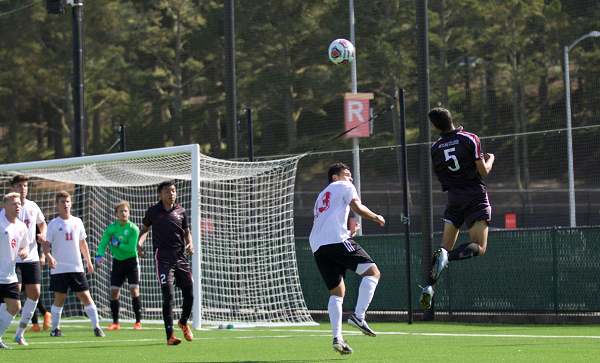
[
  {"x": 137, "y": 308},
  {"x": 41, "y": 307},
  {"x": 464, "y": 251},
  {"x": 114, "y": 308},
  {"x": 167, "y": 309},
  {"x": 188, "y": 303},
  {"x": 34, "y": 318}
]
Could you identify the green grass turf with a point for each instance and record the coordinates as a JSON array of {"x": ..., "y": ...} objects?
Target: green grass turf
[{"x": 396, "y": 342}]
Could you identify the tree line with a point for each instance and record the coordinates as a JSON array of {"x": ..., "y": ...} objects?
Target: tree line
[{"x": 157, "y": 67}]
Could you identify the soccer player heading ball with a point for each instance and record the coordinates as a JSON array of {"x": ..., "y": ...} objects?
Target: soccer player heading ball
[
  {"x": 335, "y": 251},
  {"x": 122, "y": 238},
  {"x": 171, "y": 239},
  {"x": 460, "y": 166}
]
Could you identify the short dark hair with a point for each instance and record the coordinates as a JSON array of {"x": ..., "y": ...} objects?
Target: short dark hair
[
  {"x": 62, "y": 194},
  {"x": 336, "y": 169},
  {"x": 17, "y": 179},
  {"x": 164, "y": 184},
  {"x": 441, "y": 118}
]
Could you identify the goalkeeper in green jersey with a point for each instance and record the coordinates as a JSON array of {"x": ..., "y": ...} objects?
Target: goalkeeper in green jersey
[{"x": 122, "y": 237}]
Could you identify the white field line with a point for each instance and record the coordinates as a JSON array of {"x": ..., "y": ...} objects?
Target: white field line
[{"x": 324, "y": 333}]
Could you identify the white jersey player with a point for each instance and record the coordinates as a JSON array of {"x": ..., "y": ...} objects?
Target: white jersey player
[
  {"x": 29, "y": 269},
  {"x": 335, "y": 251},
  {"x": 66, "y": 235},
  {"x": 14, "y": 243}
]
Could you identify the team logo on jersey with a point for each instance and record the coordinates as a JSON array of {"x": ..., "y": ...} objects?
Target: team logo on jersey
[
  {"x": 13, "y": 243},
  {"x": 126, "y": 232},
  {"x": 322, "y": 204},
  {"x": 178, "y": 216},
  {"x": 75, "y": 227},
  {"x": 31, "y": 213},
  {"x": 160, "y": 216},
  {"x": 20, "y": 233}
]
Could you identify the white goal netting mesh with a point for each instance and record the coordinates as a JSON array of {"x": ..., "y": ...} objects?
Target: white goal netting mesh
[{"x": 248, "y": 272}]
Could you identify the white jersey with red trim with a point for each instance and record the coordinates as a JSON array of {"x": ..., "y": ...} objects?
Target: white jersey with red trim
[
  {"x": 64, "y": 235},
  {"x": 13, "y": 237},
  {"x": 331, "y": 214}
]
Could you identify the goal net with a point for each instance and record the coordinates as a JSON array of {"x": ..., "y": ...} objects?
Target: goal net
[{"x": 241, "y": 217}]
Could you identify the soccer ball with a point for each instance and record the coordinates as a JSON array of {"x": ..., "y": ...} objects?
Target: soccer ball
[{"x": 341, "y": 51}]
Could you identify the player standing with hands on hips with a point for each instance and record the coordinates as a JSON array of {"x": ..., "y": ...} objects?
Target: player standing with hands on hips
[
  {"x": 335, "y": 251},
  {"x": 171, "y": 239},
  {"x": 122, "y": 237},
  {"x": 14, "y": 240},
  {"x": 460, "y": 166}
]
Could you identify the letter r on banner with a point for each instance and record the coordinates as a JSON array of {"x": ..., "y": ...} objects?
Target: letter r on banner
[{"x": 356, "y": 112}]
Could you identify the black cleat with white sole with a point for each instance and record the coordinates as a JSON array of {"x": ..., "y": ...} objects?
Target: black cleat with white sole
[{"x": 361, "y": 325}]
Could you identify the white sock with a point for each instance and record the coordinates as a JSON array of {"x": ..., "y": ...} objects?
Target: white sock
[
  {"x": 335, "y": 315},
  {"x": 26, "y": 314},
  {"x": 366, "y": 291},
  {"x": 55, "y": 311},
  {"x": 92, "y": 313},
  {"x": 5, "y": 319}
]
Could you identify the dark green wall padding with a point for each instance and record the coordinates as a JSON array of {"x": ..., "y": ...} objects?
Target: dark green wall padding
[{"x": 541, "y": 270}]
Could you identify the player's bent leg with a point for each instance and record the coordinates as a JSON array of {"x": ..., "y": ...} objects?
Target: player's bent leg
[
  {"x": 479, "y": 235},
  {"x": 26, "y": 314},
  {"x": 366, "y": 290}
]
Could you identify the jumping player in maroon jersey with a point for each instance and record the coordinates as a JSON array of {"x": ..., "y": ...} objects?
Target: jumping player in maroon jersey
[
  {"x": 460, "y": 166},
  {"x": 171, "y": 240}
]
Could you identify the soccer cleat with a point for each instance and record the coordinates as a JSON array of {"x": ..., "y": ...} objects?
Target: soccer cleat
[
  {"x": 361, "y": 325},
  {"x": 440, "y": 263},
  {"x": 47, "y": 320},
  {"x": 173, "y": 340},
  {"x": 342, "y": 347},
  {"x": 34, "y": 328},
  {"x": 20, "y": 340},
  {"x": 99, "y": 333},
  {"x": 57, "y": 333},
  {"x": 114, "y": 326},
  {"x": 187, "y": 332},
  {"x": 426, "y": 297},
  {"x": 4, "y": 346},
  {"x": 137, "y": 326}
]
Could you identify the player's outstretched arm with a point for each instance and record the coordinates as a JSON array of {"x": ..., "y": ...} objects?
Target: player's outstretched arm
[{"x": 358, "y": 208}]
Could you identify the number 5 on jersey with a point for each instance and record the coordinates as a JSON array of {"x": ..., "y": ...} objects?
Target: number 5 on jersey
[{"x": 448, "y": 157}]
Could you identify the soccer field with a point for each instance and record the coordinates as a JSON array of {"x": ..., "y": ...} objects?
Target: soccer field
[{"x": 396, "y": 342}]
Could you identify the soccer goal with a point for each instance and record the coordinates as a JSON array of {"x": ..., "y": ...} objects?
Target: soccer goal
[{"x": 241, "y": 217}]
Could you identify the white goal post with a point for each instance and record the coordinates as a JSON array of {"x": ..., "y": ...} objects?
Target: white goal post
[{"x": 241, "y": 219}]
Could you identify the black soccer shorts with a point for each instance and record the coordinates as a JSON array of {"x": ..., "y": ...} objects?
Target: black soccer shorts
[
  {"x": 467, "y": 208},
  {"x": 29, "y": 273},
  {"x": 129, "y": 269},
  {"x": 75, "y": 280},
  {"x": 333, "y": 260}
]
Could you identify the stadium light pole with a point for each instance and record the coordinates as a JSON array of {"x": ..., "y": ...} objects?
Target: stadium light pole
[
  {"x": 355, "y": 147},
  {"x": 569, "y": 130}
]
